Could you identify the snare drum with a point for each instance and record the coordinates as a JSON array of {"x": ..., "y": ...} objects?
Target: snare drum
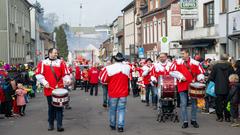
[
  {"x": 60, "y": 97},
  {"x": 197, "y": 90},
  {"x": 168, "y": 86}
]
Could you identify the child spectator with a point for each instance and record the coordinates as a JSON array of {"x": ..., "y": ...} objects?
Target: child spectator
[
  {"x": 233, "y": 98},
  {"x": 21, "y": 103}
]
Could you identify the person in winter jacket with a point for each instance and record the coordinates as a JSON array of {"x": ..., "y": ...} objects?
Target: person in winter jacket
[
  {"x": 219, "y": 75},
  {"x": 21, "y": 103},
  {"x": 8, "y": 92},
  {"x": 234, "y": 98}
]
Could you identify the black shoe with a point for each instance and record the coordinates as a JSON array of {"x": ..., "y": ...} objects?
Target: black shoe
[
  {"x": 147, "y": 104},
  {"x": 104, "y": 105},
  {"x": 227, "y": 120},
  {"x": 112, "y": 127},
  {"x": 185, "y": 125},
  {"x": 60, "y": 129},
  {"x": 120, "y": 130},
  {"x": 219, "y": 119},
  {"x": 50, "y": 128},
  {"x": 68, "y": 107},
  {"x": 194, "y": 124}
]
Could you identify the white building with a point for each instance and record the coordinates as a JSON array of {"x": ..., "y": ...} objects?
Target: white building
[
  {"x": 129, "y": 28},
  {"x": 201, "y": 36},
  {"x": 233, "y": 28},
  {"x": 117, "y": 26}
]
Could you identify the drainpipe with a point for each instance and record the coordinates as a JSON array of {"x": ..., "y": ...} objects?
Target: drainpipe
[
  {"x": 8, "y": 34},
  {"x": 227, "y": 24}
]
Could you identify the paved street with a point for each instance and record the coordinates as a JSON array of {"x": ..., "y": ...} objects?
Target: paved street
[{"x": 89, "y": 118}]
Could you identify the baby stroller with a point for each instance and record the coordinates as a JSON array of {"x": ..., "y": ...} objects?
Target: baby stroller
[{"x": 167, "y": 102}]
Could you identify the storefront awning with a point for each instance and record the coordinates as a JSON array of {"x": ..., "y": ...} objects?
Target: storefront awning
[
  {"x": 197, "y": 43},
  {"x": 234, "y": 36}
]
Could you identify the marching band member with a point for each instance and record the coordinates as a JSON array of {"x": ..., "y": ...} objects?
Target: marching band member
[
  {"x": 78, "y": 75},
  {"x": 160, "y": 68},
  {"x": 147, "y": 69},
  {"x": 117, "y": 77},
  {"x": 140, "y": 82},
  {"x": 93, "y": 74},
  {"x": 188, "y": 69},
  {"x": 105, "y": 86},
  {"x": 53, "y": 73}
]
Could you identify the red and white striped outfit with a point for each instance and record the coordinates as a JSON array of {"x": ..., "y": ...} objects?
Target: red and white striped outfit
[
  {"x": 117, "y": 77},
  {"x": 194, "y": 66},
  {"x": 45, "y": 75}
]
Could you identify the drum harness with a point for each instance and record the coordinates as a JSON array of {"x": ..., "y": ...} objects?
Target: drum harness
[{"x": 54, "y": 74}]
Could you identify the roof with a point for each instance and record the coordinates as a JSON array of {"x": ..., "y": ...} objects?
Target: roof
[
  {"x": 130, "y": 5},
  {"x": 85, "y": 30},
  {"x": 28, "y": 3},
  {"x": 161, "y": 9}
]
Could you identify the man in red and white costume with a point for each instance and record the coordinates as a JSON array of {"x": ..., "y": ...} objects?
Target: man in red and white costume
[
  {"x": 147, "y": 70},
  {"x": 141, "y": 82},
  {"x": 45, "y": 76},
  {"x": 189, "y": 70},
  {"x": 78, "y": 75},
  {"x": 117, "y": 77},
  {"x": 160, "y": 68},
  {"x": 105, "y": 85}
]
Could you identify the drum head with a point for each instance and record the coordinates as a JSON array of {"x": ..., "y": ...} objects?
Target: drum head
[
  {"x": 197, "y": 85},
  {"x": 59, "y": 92}
]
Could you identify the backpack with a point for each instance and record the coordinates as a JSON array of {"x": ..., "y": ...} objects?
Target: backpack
[{"x": 2, "y": 79}]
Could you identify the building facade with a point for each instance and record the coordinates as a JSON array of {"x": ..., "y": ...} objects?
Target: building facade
[
  {"x": 15, "y": 36},
  {"x": 160, "y": 18},
  {"x": 129, "y": 30}
]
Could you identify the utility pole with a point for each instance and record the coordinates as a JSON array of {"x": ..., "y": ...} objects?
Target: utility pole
[{"x": 80, "y": 15}]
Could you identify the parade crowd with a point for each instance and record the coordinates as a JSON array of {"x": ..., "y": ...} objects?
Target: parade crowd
[
  {"x": 119, "y": 78},
  {"x": 17, "y": 85}
]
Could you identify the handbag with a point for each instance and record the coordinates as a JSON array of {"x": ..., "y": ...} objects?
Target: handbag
[{"x": 211, "y": 89}]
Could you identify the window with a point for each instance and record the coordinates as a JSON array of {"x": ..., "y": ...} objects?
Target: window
[
  {"x": 224, "y": 6},
  {"x": 157, "y": 4},
  {"x": 164, "y": 28},
  {"x": 151, "y": 33},
  {"x": 155, "y": 31},
  {"x": 209, "y": 14},
  {"x": 148, "y": 34},
  {"x": 159, "y": 30},
  {"x": 151, "y": 4},
  {"x": 189, "y": 24},
  {"x": 145, "y": 34}
]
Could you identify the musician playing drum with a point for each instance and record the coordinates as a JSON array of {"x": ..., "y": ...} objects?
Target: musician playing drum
[
  {"x": 189, "y": 70},
  {"x": 53, "y": 73}
]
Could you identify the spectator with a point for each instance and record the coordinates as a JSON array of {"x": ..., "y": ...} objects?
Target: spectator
[
  {"x": 21, "y": 103},
  {"x": 219, "y": 75},
  {"x": 233, "y": 97},
  {"x": 237, "y": 67},
  {"x": 8, "y": 92}
]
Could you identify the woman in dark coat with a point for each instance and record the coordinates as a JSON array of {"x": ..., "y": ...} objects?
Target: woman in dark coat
[
  {"x": 237, "y": 68},
  {"x": 219, "y": 75}
]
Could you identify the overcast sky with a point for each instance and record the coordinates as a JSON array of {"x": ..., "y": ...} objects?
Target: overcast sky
[{"x": 94, "y": 12}]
